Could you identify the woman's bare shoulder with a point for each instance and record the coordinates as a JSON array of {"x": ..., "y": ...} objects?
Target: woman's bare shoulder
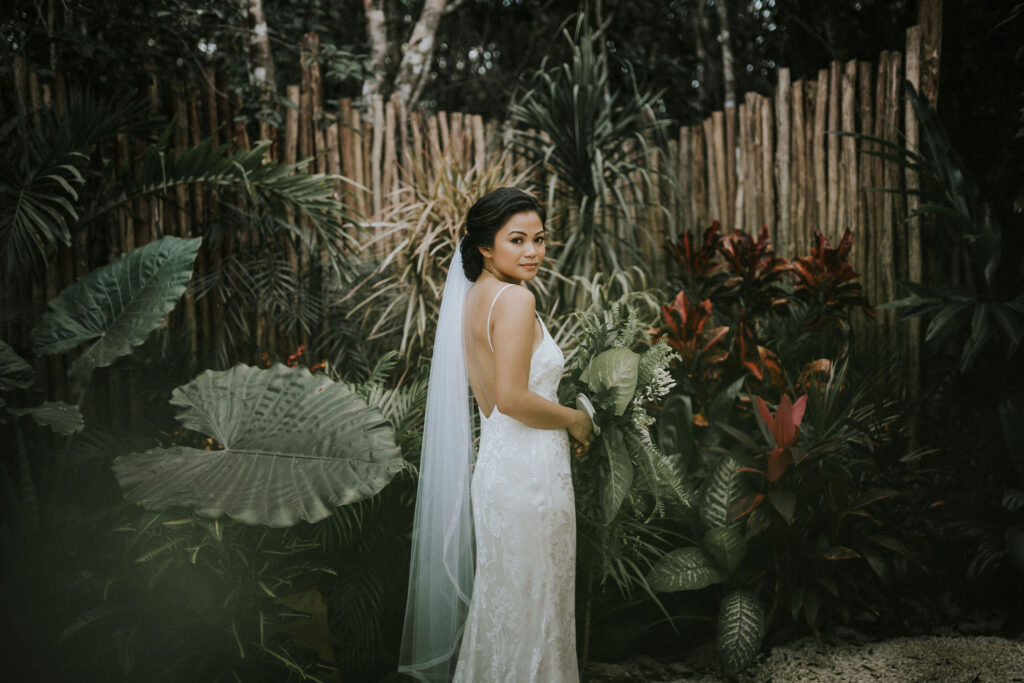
[{"x": 515, "y": 301}]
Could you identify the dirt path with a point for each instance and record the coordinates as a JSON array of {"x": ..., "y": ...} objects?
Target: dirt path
[{"x": 959, "y": 659}]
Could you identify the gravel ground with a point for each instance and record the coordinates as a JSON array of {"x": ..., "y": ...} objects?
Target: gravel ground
[{"x": 956, "y": 659}]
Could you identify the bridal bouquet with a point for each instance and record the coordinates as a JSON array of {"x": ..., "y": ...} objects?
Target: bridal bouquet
[{"x": 624, "y": 377}]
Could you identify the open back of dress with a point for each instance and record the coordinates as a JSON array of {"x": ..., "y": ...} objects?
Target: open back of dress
[{"x": 521, "y": 624}]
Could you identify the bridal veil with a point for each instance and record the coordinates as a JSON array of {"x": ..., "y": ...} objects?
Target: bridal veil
[{"x": 441, "y": 568}]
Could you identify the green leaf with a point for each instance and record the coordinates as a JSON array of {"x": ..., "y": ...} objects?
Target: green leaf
[
  {"x": 116, "y": 307},
  {"x": 15, "y": 373},
  {"x": 620, "y": 478},
  {"x": 615, "y": 371},
  {"x": 721, "y": 406},
  {"x": 1015, "y": 545},
  {"x": 784, "y": 503},
  {"x": 1011, "y": 419},
  {"x": 720, "y": 489},
  {"x": 740, "y": 631},
  {"x": 684, "y": 569},
  {"x": 295, "y": 446},
  {"x": 675, "y": 432},
  {"x": 726, "y": 546},
  {"x": 61, "y": 417}
]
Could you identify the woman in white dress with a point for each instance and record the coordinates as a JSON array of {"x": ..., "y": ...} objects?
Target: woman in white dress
[{"x": 516, "y": 621}]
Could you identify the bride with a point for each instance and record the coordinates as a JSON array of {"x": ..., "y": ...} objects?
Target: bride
[{"x": 511, "y": 617}]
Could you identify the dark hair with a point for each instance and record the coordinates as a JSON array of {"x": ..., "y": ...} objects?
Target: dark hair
[{"x": 486, "y": 217}]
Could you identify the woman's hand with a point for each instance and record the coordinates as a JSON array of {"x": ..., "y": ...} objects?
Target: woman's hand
[{"x": 582, "y": 431}]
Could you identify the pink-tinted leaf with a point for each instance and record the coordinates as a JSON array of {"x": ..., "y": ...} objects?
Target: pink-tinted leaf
[
  {"x": 752, "y": 469},
  {"x": 779, "y": 461},
  {"x": 744, "y": 506}
]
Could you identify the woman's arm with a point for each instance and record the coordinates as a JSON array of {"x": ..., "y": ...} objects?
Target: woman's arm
[{"x": 514, "y": 315}]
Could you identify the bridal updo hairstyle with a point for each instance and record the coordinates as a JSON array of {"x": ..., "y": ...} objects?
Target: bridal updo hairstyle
[{"x": 486, "y": 217}]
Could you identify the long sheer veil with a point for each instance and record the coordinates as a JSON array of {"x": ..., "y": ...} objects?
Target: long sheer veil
[{"x": 441, "y": 568}]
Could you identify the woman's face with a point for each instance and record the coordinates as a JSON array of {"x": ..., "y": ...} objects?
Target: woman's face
[{"x": 518, "y": 248}]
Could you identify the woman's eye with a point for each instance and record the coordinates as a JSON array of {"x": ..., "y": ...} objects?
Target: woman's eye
[
  {"x": 517, "y": 240},
  {"x": 539, "y": 240}
]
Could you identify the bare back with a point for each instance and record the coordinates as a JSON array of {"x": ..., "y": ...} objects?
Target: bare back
[{"x": 481, "y": 313}]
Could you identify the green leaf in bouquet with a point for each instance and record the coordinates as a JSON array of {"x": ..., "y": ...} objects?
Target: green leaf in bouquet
[
  {"x": 615, "y": 370},
  {"x": 620, "y": 477}
]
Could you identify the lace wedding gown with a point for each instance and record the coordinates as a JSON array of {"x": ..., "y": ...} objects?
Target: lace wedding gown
[{"x": 521, "y": 624}]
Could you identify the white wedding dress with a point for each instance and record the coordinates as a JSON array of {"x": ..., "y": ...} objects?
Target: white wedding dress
[{"x": 521, "y": 624}]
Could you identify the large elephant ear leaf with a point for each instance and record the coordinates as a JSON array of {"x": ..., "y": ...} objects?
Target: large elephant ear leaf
[
  {"x": 61, "y": 417},
  {"x": 116, "y": 307},
  {"x": 15, "y": 372},
  {"x": 293, "y": 447}
]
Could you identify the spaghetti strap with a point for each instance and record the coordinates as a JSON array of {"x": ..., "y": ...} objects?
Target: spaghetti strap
[{"x": 489, "y": 314}]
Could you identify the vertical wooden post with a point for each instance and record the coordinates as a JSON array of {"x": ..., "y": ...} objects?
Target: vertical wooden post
[
  {"x": 886, "y": 121},
  {"x": 347, "y": 150},
  {"x": 730, "y": 186},
  {"x": 741, "y": 217},
  {"x": 435, "y": 152},
  {"x": 389, "y": 180},
  {"x": 930, "y": 21},
  {"x": 832, "y": 142},
  {"x": 359, "y": 164},
  {"x": 687, "y": 199},
  {"x": 863, "y": 244},
  {"x": 479, "y": 144},
  {"x": 819, "y": 148},
  {"x": 402, "y": 119},
  {"x": 848, "y": 216},
  {"x": 455, "y": 137},
  {"x": 418, "y": 153},
  {"x": 767, "y": 174},
  {"x": 722, "y": 161},
  {"x": 333, "y": 156},
  {"x": 701, "y": 214},
  {"x": 714, "y": 205},
  {"x": 375, "y": 161},
  {"x": 36, "y": 97},
  {"x": 316, "y": 99},
  {"x": 20, "y": 71},
  {"x": 799, "y": 171},
  {"x": 914, "y": 264},
  {"x": 878, "y": 209},
  {"x": 783, "y": 159}
]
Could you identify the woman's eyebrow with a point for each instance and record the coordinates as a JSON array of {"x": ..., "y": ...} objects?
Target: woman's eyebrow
[{"x": 520, "y": 232}]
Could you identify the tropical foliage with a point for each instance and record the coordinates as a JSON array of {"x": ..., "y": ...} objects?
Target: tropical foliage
[
  {"x": 595, "y": 147},
  {"x": 773, "y": 487},
  {"x": 783, "y": 484}
]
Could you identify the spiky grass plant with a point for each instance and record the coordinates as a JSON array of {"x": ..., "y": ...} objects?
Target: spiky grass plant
[
  {"x": 416, "y": 237},
  {"x": 597, "y": 148}
]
